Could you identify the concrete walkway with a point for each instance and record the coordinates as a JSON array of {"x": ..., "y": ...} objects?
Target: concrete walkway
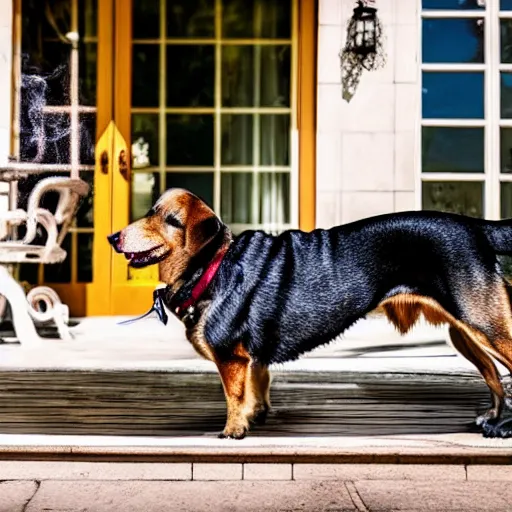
[{"x": 148, "y": 488}]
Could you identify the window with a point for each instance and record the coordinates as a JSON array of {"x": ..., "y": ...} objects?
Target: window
[
  {"x": 214, "y": 97},
  {"x": 466, "y": 133}
]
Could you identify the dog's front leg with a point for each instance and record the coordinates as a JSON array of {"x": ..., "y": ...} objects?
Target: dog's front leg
[{"x": 235, "y": 373}]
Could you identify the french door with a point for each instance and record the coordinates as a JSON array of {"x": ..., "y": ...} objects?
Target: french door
[{"x": 199, "y": 94}]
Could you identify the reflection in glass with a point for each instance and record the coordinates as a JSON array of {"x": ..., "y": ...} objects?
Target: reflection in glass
[
  {"x": 85, "y": 212},
  {"x": 190, "y": 72},
  {"x": 87, "y": 18},
  {"x": 256, "y": 19},
  {"x": 275, "y": 73},
  {"x": 199, "y": 183},
  {"x": 236, "y": 197},
  {"x": 190, "y": 18},
  {"x": 452, "y": 149},
  {"x": 237, "y": 139},
  {"x": 241, "y": 67},
  {"x": 452, "y": 4},
  {"x": 506, "y": 200},
  {"x": 506, "y": 5},
  {"x": 506, "y": 213},
  {"x": 448, "y": 40},
  {"x": 146, "y": 19},
  {"x": 460, "y": 197},
  {"x": 87, "y": 64},
  {"x": 506, "y": 150},
  {"x": 452, "y": 95},
  {"x": 145, "y": 75},
  {"x": 238, "y": 76},
  {"x": 506, "y": 95},
  {"x": 274, "y": 198},
  {"x": 190, "y": 139},
  {"x": 145, "y": 191},
  {"x": 145, "y": 131},
  {"x": 84, "y": 257},
  {"x": 60, "y": 272},
  {"x": 506, "y": 41},
  {"x": 87, "y": 137},
  {"x": 275, "y": 139}
]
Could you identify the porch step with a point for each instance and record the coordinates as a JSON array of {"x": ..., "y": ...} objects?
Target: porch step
[{"x": 154, "y": 403}]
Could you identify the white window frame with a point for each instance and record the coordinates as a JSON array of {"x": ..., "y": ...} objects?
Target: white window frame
[{"x": 492, "y": 122}]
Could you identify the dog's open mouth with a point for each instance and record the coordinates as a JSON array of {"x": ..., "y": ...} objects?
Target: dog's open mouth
[{"x": 145, "y": 258}]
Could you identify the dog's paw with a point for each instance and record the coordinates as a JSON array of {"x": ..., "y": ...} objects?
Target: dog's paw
[
  {"x": 233, "y": 433},
  {"x": 501, "y": 429},
  {"x": 260, "y": 418}
]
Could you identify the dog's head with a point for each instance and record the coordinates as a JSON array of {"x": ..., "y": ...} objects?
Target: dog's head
[{"x": 177, "y": 227}]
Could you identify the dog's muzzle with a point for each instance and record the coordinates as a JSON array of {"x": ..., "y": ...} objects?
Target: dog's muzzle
[{"x": 114, "y": 240}]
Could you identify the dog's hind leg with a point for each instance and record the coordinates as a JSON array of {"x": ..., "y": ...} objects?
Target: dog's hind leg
[
  {"x": 467, "y": 345},
  {"x": 260, "y": 378}
]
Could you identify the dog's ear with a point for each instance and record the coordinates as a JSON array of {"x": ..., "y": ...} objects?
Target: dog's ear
[{"x": 202, "y": 232}]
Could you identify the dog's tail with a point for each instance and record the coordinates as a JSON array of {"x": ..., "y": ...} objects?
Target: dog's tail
[{"x": 499, "y": 234}]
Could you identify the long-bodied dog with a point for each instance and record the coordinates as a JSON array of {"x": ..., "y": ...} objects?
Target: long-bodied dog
[{"x": 255, "y": 299}]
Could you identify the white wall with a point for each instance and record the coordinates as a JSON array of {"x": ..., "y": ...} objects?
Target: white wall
[
  {"x": 366, "y": 148},
  {"x": 5, "y": 89}
]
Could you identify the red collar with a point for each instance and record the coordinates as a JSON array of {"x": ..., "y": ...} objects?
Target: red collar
[{"x": 202, "y": 284}]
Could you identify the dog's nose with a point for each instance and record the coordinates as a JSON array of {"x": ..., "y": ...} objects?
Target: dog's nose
[{"x": 114, "y": 239}]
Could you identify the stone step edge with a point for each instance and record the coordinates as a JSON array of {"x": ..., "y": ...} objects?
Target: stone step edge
[{"x": 442, "y": 455}]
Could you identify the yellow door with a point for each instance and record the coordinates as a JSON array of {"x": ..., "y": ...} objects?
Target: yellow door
[{"x": 200, "y": 94}]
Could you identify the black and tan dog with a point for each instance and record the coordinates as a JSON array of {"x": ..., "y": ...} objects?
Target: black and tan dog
[{"x": 256, "y": 299}]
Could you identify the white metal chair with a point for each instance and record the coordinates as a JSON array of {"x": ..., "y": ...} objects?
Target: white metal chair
[{"x": 27, "y": 309}]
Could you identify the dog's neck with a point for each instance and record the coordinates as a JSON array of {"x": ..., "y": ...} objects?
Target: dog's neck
[{"x": 189, "y": 287}]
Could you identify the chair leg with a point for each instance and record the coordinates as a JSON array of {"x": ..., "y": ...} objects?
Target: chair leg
[
  {"x": 23, "y": 325},
  {"x": 54, "y": 310}
]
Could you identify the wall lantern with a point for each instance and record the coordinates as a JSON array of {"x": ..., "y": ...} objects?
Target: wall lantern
[{"x": 363, "y": 47}]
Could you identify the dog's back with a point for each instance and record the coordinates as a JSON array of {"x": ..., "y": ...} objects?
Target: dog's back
[{"x": 288, "y": 294}]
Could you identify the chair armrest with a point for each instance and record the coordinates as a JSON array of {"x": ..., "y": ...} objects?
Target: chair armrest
[{"x": 70, "y": 191}]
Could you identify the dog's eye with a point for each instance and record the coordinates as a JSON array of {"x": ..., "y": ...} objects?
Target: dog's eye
[{"x": 173, "y": 221}]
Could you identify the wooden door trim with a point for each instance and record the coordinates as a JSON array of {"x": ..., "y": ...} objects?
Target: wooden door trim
[
  {"x": 97, "y": 300},
  {"x": 306, "y": 112}
]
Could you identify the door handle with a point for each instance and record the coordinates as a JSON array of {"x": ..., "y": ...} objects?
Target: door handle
[
  {"x": 123, "y": 164},
  {"x": 104, "y": 162}
]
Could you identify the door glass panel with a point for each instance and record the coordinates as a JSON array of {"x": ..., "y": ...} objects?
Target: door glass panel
[
  {"x": 506, "y": 5},
  {"x": 454, "y": 196},
  {"x": 452, "y": 149},
  {"x": 45, "y": 98},
  {"x": 448, "y": 40},
  {"x": 198, "y": 113},
  {"x": 236, "y": 193},
  {"x": 237, "y": 139},
  {"x": 190, "y": 18},
  {"x": 275, "y": 140},
  {"x": 189, "y": 140},
  {"x": 194, "y": 64},
  {"x": 145, "y": 90},
  {"x": 199, "y": 183},
  {"x": 146, "y": 19},
  {"x": 145, "y": 192},
  {"x": 256, "y": 19}
]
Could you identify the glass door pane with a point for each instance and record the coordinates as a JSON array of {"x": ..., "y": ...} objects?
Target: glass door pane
[
  {"x": 54, "y": 75},
  {"x": 212, "y": 104}
]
